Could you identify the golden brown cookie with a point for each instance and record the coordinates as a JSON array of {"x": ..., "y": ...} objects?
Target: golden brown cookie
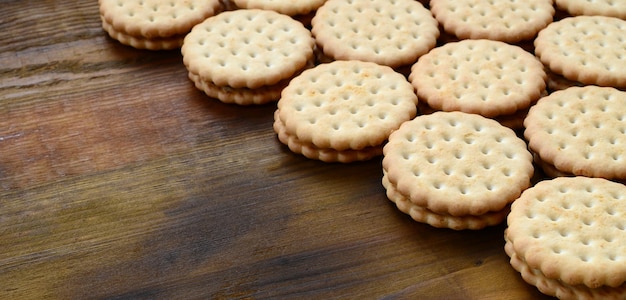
[
  {"x": 392, "y": 33},
  {"x": 580, "y": 131},
  {"x": 502, "y": 20},
  {"x": 586, "y": 49},
  {"x": 154, "y": 24},
  {"x": 609, "y": 8},
  {"x": 567, "y": 235},
  {"x": 246, "y": 49},
  {"x": 485, "y": 77},
  {"x": 457, "y": 164},
  {"x": 290, "y": 8},
  {"x": 344, "y": 106}
]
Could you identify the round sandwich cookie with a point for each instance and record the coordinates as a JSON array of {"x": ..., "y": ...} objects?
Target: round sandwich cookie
[
  {"x": 567, "y": 237},
  {"x": 585, "y": 49},
  {"x": 609, "y": 8},
  {"x": 580, "y": 131},
  {"x": 290, "y": 8},
  {"x": 343, "y": 111},
  {"x": 455, "y": 170},
  {"x": 485, "y": 77},
  {"x": 154, "y": 24},
  {"x": 247, "y": 56},
  {"x": 509, "y": 21},
  {"x": 392, "y": 33},
  {"x": 302, "y": 11}
]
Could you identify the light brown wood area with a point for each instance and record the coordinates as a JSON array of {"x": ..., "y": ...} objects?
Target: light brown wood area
[{"x": 119, "y": 179}]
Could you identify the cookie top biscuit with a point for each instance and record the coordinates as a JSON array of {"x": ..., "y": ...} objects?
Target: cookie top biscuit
[
  {"x": 484, "y": 77},
  {"x": 586, "y": 49},
  {"x": 503, "y": 20},
  {"x": 346, "y": 105},
  {"x": 391, "y": 33},
  {"x": 247, "y": 48},
  {"x": 609, "y": 8},
  {"x": 290, "y": 8},
  {"x": 572, "y": 229},
  {"x": 242, "y": 96},
  {"x": 581, "y": 131},
  {"x": 457, "y": 163},
  {"x": 156, "y": 18}
]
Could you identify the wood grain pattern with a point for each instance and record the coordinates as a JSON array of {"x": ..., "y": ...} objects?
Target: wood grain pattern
[{"x": 118, "y": 179}]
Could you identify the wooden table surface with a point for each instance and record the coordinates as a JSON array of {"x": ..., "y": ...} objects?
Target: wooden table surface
[{"x": 119, "y": 179}]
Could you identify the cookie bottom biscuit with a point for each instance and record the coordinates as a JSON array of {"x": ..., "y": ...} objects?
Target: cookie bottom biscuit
[
  {"x": 240, "y": 96},
  {"x": 324, "y": 154},
  {"x": 143, "y": 43},
  {"x": 424, "y": 215},
  {"x": 244, "y": 96},
  {"x": 557, "y": 288}
]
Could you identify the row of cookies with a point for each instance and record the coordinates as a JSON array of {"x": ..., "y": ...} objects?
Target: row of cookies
[{"x": 450, "y": 164}]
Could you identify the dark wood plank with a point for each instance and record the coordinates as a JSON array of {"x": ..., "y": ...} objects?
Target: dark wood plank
[{"x": 118, "y": 179}]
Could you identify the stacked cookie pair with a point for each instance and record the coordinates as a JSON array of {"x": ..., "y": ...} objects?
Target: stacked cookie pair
[
  {"x": 579, "y": 131},
  {"x": 247, "y": 56},
  {"x": 455, "y": 170},
  {"x": 608, "y": 8},
  {"x": 583, "y": 50},
  {"x": 391, "y": 33},
  {"x": 566, "y": 236},
  {"x": 490, "y": 78},
  {"x": 302, "y": 11},
  {"x": 154, "y": 24}
]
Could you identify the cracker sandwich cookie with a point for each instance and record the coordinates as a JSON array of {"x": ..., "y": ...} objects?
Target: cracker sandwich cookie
[
  {"x": 609, "y": 8},
  {"x": 343, "y": 111},
  {"x": 455, "y": 170},
  {"x": 567, "y": 237},
  {"x": 580, "y": 131},
  {"x": 302, "y": 10},
  {"x": 485, "y": 77},
  {"x": 247, "y": 56},
  {"x": 502, "y": 20},
  {"x": 392, "y": 33},
  {"x": 154, "y": 24},
  {"x": 586, "y": 49}
]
